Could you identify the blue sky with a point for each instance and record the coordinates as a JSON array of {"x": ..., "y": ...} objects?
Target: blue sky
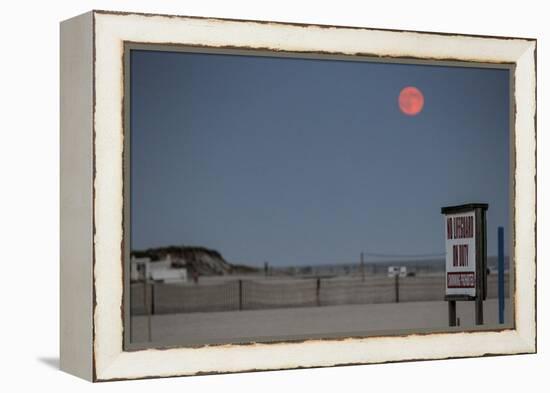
[{"x": 299, "y": 162}]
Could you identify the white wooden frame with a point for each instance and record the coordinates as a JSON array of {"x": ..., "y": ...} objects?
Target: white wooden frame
[{"x": 92, "y": 143}]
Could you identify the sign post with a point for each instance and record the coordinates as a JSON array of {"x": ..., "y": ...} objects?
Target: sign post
[
  {"x": 500, "y": 275},
  {"x": 465, "y": 257}
]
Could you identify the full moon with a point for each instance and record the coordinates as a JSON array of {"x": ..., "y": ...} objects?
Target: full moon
[{"x": 411, "y": 101}]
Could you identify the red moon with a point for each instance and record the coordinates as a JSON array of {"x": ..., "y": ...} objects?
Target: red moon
[{"x": 411, "y": 101}]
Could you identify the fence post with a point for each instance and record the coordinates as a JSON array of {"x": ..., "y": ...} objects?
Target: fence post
[
  {"x": 397, "y": 288},
  {"x": 147, "y": 298},
  {"x": 153, "y": 298},
  {"x": 318, "y": 291},
  {"x": 362, "y": 267},
  {"x": 240, "y": 295}
]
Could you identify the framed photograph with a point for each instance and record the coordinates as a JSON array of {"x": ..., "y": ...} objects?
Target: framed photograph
[{"x": 245, "y": 195}]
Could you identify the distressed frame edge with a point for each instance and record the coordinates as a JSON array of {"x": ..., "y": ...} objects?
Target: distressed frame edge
[
  {"x": 303, "y": 24},
  {"x": 76, "y": 196},
  {"x": 525, "y": 193},
  {"x": 524, "y": 337}
]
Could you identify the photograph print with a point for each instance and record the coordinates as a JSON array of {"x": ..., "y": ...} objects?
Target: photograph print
[{"x": 276, "y": 197}]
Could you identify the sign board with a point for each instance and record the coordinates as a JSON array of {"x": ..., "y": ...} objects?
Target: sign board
[
  {"x": 466, "y": 252},
  {"x": 460, "y": 250}
]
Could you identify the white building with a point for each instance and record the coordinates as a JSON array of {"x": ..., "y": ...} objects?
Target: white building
[{"x": 144, "y": 269}]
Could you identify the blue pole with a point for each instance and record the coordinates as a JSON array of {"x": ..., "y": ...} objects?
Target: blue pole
[{"x": 500, "y": 274}]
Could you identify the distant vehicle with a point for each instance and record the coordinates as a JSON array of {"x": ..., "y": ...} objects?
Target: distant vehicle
[{"x": 400, "y": 271}]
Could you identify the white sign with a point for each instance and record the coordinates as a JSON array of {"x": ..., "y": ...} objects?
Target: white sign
[{"x": 460, "y": 259}]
